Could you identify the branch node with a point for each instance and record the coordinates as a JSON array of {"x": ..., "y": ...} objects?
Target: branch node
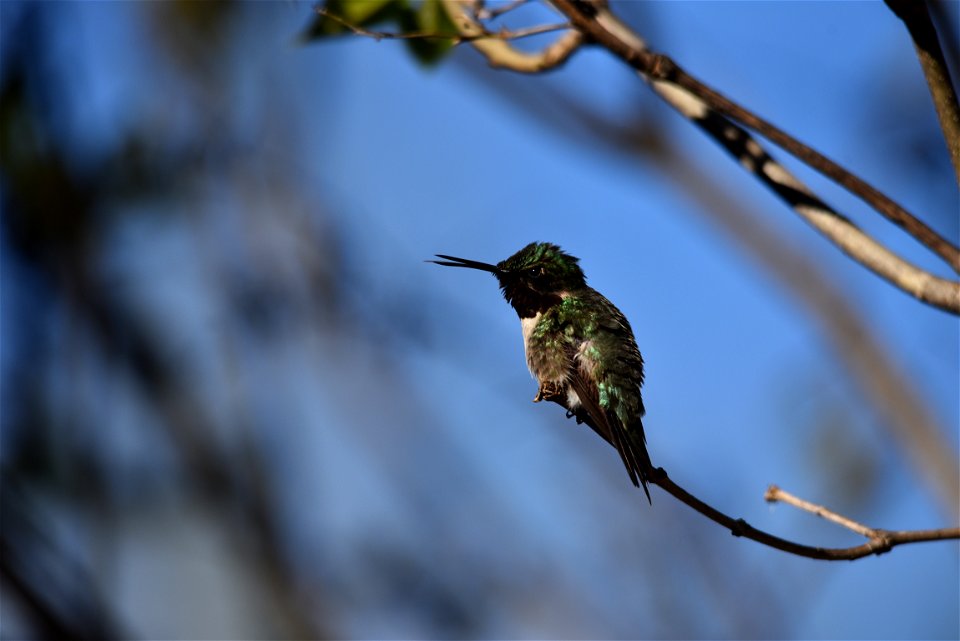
[
  {"x": 740, "y": 528},
  {"x": 881, "y": 542},
  {"x": 658, "y": 475},
  {"x": 772, "y": 495},
  {"x": 661, "y": 67}
]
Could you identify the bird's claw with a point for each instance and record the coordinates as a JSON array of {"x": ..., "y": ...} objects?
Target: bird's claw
[{"x": 548, "y": 392}]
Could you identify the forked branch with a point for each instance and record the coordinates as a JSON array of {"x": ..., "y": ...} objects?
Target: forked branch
[
  {"x": 465, "y": 14},
  {"x": 715, "y": 114},
  {"x": 879, "y": 541},
  {"x": 494, "y": 44},
  {"x": 602, "y": 27}
]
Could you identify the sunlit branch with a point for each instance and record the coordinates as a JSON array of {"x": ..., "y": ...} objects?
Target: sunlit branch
[
  {"x": 775, "y": 494},
  {"x": 498, "y": 52},
  {"x": 482, "y": 13},
  {"x": 690, "y": 96},
  {"x": 880, "y": 541}
]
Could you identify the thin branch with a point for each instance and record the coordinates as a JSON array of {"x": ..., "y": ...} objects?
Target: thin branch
[
  {"x": 877, "y": 536},
  {"x": 482, "y": 13},
  {"x": 382, "y": 35},
  {"x": 498, "y": 52},
  {"x": 853, "y": 241},
  {"x": 515, "y": 34},
  {"x": 882, "y": 203},
  {"x": 500, "y": 34},
  {"x": 915, "y": 16},
  {"x": 603, "y": 27},
  {"x": 775, "y": 494},
  {"x": 881, "y": 541}
]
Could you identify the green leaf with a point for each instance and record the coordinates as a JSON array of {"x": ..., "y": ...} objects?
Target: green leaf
[
  {"x": 431, "y": 18},
  {"x": 363, "y": 12},
  {"x": 360, "y": 13}
]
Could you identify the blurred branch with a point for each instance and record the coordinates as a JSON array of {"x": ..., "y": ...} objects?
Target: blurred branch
[
  {"x": 498, "y": 52},
  {"x": 57, "y": 246},
  {"x": 915, "y": 16},
  {"x": 710, "y": 110},
  {"x": 57, "y": 591},
  {"x": 880, "y": 540},
  {"x": 944, "y": 15}
]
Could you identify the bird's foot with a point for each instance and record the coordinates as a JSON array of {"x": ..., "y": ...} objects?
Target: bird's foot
[{"x": 548, "y": 392}]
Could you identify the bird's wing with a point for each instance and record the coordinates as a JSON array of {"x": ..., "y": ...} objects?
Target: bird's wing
[{"x": 605, "y": 424}]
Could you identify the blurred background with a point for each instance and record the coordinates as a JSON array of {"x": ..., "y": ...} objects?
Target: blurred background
[{"x": 236, "y": 403}]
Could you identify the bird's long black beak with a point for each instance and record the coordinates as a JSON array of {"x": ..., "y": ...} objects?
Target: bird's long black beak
[{"x": 453, "y": 261}]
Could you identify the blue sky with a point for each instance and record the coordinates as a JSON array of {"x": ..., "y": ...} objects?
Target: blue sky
[{"x": 743, "y": 388}]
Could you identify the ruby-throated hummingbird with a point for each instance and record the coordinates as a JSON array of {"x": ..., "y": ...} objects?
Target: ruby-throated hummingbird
[{"x": 579, "y": 347}]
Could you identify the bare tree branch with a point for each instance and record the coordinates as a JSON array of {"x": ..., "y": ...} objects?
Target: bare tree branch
[
  {"x": 693, "y": 98},
  {"x": 483, "y": 13},
  {"x": 775, "y": 494},
  {"x": 877, "y": 537},
  {"x": 917, "y": 20},
  {"x": 853, "y": 241},
  {"x": 498, "y": 52},
  {"x": 492, "y": 44},
  {"x": 457, "y": 38},
  {"x": 880, "y": 540}
]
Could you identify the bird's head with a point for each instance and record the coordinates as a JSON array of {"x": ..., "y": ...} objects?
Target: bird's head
[{"x": 534, "y": 279}]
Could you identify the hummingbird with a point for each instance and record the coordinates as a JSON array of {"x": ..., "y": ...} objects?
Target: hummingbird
[{"x": 578, "y": 346}]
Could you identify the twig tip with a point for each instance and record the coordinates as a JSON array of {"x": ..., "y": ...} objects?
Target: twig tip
[{"x": 772, "y": 495}]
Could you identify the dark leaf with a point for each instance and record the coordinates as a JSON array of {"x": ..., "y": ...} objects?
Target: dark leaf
[
  {"x": 431, "y": 18},
  {"x": 360, "y": 13}
]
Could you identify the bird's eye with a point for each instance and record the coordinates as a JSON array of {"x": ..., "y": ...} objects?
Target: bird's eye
[{"x": 533, "y": 272}]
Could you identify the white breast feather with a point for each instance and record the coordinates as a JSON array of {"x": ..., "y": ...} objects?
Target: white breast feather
[{"x": 526, "y": 326}]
